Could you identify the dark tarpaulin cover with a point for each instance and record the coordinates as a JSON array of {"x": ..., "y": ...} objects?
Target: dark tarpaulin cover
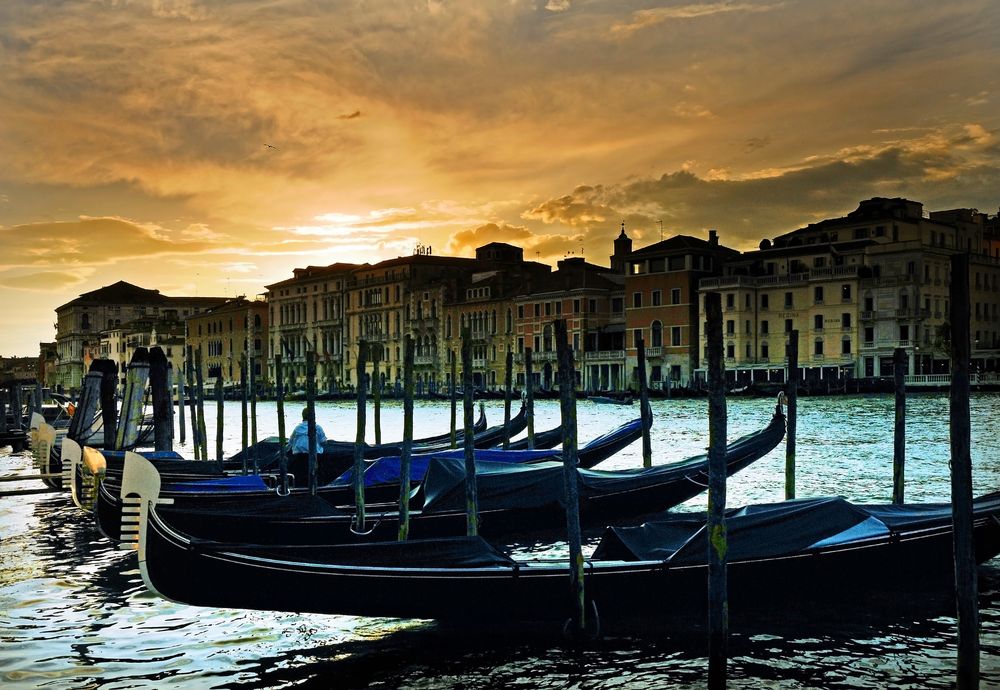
[
  {"x": 541, "y": 485},
  {"x": 915, "y": 516},
  {"x": 775, "y": 529},
  {"x": 754, "y": 531},
  {"x": 451, "y": 552}
]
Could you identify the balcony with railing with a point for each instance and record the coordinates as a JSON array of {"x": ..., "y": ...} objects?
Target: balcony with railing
[
  {"x": 616, "y": 355},
  {"x": 423, "y": 360},
  {"x": 655, "y": 351}
]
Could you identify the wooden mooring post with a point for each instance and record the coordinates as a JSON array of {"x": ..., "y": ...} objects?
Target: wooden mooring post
[
  {"x": 244, "y": 427},
  {"x": 193, "y": 403},
  {"x": 718, "y": 595},
  {"x": 469, "y": 441},
  {"x": 454, "y": 400},
  {"x": 311, "y": 420},
  {"x": 529, "y": 398},
  {"x": 159, "y": 391},
  {"x": 280, "y": 404},
  {"x": 406, "y": 452},
  {"x": 567, "y": 406},
  {"x": 181, "y": 402},
  {"x": 359, "y": 441},
  {"x": 966, "y": 586},
  {"x": 254, "y": 449},
  {"x": 792, "y": 395},
  {"x": 645, "y": 412},
  {"x": 508, "y": 380},
  {"x": 220, "y": 422},
  {"x": 377, "y": 394},
  {"x": 199, "y": 378},
  {"x": 899, "y": 437}
]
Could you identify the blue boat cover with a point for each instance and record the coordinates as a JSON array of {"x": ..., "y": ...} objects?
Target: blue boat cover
[
  {"x": 249, "y": 482},
  {"x": 387, "y": 470}
]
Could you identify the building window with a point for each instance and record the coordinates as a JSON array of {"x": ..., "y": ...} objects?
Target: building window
[
  {"x": 763, "y": 351},
  {"x": 764, "y": 302},
  {"x": 818, "y": 322},
  {"x": 845, "y": 320},
  {"x": 576, "y": 306},
  {"x": 870, "y": 335},
  {"x": 788, "y": 300},
  {"x": 656, "y": 334},
  {"x": 520, "y": 311},
  {"x": 675, "y": 336},
  {"x": 845, "y": 346},
  {"x": 818, "y": 347},
  {"x": 548, "y": 308},
  {"x": 558, "y": 308},
  {"x": 764, "y": 327},
  {"x": 818, "y": 294},
  {"x": 538, "y": 310},
  {"x": 657, "y": 298},
  {"x": 730, "y": 327},
  {"x": 788, "y": 326},
  {"x": 730, "y": 300},
  {"x": 747, "y": 327},
  {"x": 636, "y": 299},
  {"x": 904, "y": 333},
  {"x": 730, "y": 351},
  {"x": 675, "y": 296},
  {"x": 845, "y": 293}
]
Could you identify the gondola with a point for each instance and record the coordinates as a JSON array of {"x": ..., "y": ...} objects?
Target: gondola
[
  {"x": 381, "y": 480},
  {"x": 543, "y": 439},
  {"x": 331, "y": 461},
  {"x": 784, "y": 554},
  {"x": 268, "y": 451},
  {"x": 514, "y": 501}
]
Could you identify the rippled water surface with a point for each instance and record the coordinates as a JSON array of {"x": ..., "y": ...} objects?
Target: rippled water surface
[{"x": 75, "y": 613}]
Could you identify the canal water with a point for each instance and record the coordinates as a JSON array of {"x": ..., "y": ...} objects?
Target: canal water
[{"x": 74, "y": 612}]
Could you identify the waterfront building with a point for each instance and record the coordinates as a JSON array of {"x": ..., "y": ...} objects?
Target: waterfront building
[
  {"x": 661, "y": 296},
  {"x": 856, "y": 288},
  {"x": 306, "y": 312},
  {"x": 82, "y": 323},
  {"x": 591, "y": 299},
  {"x": 224, "y": 334}
]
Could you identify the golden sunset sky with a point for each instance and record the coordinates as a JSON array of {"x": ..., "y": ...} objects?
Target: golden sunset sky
[{"x": 209, "y": 147}]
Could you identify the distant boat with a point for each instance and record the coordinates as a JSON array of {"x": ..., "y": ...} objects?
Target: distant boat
[{"x": 608, "y": 400}]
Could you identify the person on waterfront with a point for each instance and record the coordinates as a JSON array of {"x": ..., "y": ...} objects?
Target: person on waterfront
[{"x": 298, "y": 446}]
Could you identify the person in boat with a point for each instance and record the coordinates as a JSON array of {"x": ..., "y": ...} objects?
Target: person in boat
[{"x": 298, "y": 442}]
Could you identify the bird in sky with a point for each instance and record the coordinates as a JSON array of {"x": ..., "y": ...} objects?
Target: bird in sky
[{"x": 271, "y": 147}]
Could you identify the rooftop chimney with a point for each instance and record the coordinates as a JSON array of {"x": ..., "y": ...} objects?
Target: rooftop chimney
[{"x": 713, "y": 238}]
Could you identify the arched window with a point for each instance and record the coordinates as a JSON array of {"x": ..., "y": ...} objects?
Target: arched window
[{"x": 656, "y": 334}]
